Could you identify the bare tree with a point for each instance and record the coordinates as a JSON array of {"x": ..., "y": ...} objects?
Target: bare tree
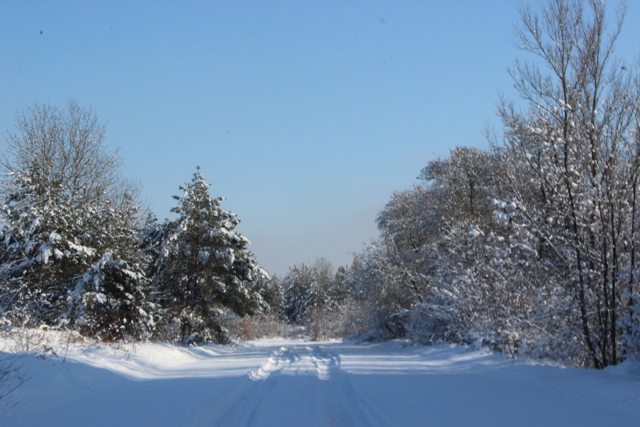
[
  {"x": 576, "y": 142},
  {"x": 64, "y": 151}
]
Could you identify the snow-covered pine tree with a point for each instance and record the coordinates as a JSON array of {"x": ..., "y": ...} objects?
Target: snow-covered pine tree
[
  {"x": 38, "y": 258},
  {"x": 317, "y": 298},
  {"x": 308, "y": 288},
  {"x": 109, "y": 302},
  {"x": 204, "y": 268},
  {"x": 272, "y": 295},
  {"x": 298, "y": 284},
  {"x": 153, "y": 235}
]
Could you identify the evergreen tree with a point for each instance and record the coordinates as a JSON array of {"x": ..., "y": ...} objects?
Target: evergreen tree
[
  {"x": 310, "y": 288},
  {"x": 204, "y": 267},
  {"x": 109, "y": 302},
  {"x": 272, "y": 295}
]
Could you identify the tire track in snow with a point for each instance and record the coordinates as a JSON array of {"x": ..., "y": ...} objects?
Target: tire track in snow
[
  {"x": 239, "y": 407},
  {"x": 326, "y": 364},
  {"x": 286, "y": 385},
  {"x": 278, "y": 360},
  {"x": 342, "y": 404}
]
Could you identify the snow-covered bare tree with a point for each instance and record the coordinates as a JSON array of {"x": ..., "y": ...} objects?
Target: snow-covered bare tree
[
  {"x": 577, "y": 144},
  {"x": 453, "y": 263},
  {"x": 424, "y": 246}
]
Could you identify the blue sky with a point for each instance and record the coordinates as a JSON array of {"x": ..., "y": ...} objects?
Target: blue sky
[{"x": 306, "y": 115}]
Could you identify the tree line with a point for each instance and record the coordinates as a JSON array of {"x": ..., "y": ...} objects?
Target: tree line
[
  {"x": 77, "y": 251},
  {"x": 530, "y": 246}
]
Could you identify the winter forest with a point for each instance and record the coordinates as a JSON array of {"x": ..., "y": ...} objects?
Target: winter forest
[{"x": 530, "y": 247}]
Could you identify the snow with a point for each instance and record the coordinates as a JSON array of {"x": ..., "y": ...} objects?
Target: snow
[
  {"x": 82, "y": 250},
  {"x": 283, "y": 382}
]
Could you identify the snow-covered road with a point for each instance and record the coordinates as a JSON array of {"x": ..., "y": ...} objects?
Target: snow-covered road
[{"x": 298, "y": 383}]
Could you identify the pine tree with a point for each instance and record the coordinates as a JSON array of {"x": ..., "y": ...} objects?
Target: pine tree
[
  {"x": 204, "y": 267},
  {"x": 109, "y": 302}
]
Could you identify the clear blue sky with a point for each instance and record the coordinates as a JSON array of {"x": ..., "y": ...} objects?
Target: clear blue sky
[{"x": 306, "y": 115}]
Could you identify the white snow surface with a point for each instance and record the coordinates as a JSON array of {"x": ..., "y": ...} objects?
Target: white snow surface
[{"x": 284, "y": 382}]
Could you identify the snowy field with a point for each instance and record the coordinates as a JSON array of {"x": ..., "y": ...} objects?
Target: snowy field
[{"x": 299, "y": 383}]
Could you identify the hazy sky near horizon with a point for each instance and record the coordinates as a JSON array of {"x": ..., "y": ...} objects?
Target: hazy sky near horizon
[{"x": 305, "y": 115}]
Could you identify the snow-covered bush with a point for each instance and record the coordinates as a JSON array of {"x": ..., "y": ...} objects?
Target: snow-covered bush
[
  {"x": 269, "y": 326},
  {"x": 434, "y": 323}
]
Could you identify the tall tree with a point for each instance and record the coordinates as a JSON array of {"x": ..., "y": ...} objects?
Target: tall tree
[
  {"x": 578, "y": 144},
  {"x": 204, "y": 267}
]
